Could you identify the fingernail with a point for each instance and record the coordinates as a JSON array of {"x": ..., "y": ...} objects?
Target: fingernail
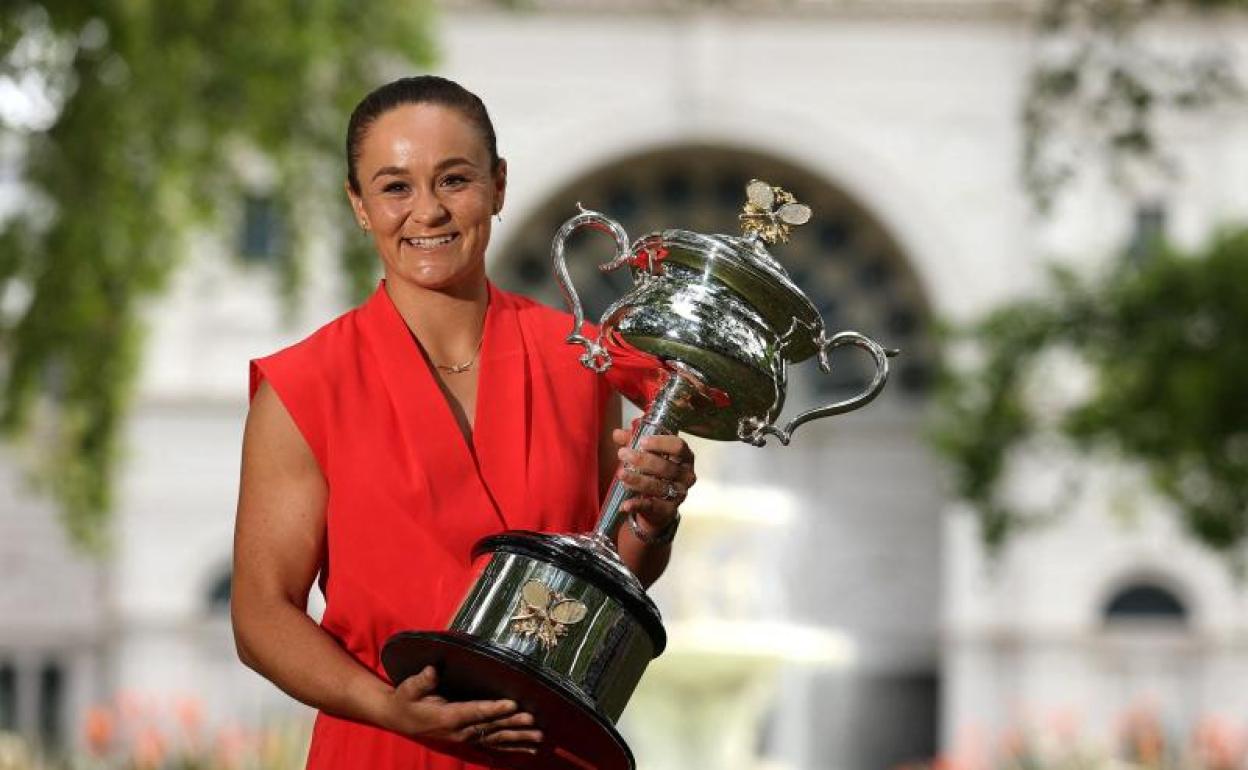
[{"x": 510, "y": 705}]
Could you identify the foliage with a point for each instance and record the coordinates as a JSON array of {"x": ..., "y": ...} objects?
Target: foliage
[
  {"x": 1097, "y": 90},
  {"x": 144, "y": 114},
  {"x": 1166, "y": 345}
]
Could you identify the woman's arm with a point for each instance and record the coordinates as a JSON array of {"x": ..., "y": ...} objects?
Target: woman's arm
[
  {"x": 662, "y": 460},
  {"x": 279, "y": 544}
]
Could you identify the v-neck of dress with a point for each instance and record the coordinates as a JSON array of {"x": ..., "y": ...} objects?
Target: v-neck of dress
[
  {"x": 486, "y": 469},
  {"x": 468, "y": 428}
]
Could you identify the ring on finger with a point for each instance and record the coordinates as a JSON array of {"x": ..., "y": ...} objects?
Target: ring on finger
[
  {"x": 672, "y": 492},
  {"x": 481, "y": 733}
]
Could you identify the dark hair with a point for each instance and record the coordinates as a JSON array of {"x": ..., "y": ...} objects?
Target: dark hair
[{"x": 421, "y": 89}]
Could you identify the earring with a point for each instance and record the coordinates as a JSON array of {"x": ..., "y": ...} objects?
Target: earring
[
  {"x": 364, "y": 225},
  {"x": 498, "y": 216}
]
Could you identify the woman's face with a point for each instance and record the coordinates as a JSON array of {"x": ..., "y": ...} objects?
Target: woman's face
[{"x": 427, "y": 193}]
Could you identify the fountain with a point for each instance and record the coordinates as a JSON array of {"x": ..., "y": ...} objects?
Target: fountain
[{"x": 703, "y": 703}]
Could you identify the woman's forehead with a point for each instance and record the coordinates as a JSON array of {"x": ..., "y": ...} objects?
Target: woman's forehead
[{"x": 416, "y": 134}]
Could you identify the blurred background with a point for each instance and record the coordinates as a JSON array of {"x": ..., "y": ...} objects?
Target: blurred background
[{"x": 1029, "y": 552}]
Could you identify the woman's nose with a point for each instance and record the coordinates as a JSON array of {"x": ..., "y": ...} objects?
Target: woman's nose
[{"x": 426, "y": 207}]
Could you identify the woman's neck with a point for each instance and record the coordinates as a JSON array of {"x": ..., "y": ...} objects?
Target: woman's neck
[{"x": 448, "y": 323}]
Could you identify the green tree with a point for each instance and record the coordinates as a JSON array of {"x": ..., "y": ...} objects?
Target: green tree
[
  {"x": 1165, "y": 348},
  {"x": 140, "y": 108}
]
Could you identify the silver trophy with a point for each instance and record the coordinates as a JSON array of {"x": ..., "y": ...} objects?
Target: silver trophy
[{"x": 702, "y": 343}]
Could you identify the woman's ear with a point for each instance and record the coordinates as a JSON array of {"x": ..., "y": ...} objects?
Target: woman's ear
[
  {"x": 357, "y": 205},
  {"x": 500, "y": 185}
]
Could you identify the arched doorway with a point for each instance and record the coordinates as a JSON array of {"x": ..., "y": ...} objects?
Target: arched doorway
[{"x": 863, "y": 555}]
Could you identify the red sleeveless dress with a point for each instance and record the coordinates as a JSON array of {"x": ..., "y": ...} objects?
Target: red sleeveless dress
[{"x": 408, "y": 496}]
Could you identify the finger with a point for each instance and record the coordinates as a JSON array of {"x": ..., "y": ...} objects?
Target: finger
[
  {"x": 419, "y": 685},
  {"x": 515, "y": 749},
  {"x": 656, "y": 513},
  {"x": 670, "y": 489},
  {"x": 646, "y": 486},
  {"x": 519, "y": 719},
  {"x": 505, "y": 737},
  {"x": 687, "y": 477},
  {"x": 650, "y": 464},
  {"x": 661, "y": 468},
  {"x": 621, "y": 437},
  {"x": 466, "y": 714},
  {"x": 481, "y": 732},
  {"x": 673, "y": 446}
]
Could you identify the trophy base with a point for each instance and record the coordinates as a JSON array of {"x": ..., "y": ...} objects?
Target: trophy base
[{"x": 576, "y": 736}]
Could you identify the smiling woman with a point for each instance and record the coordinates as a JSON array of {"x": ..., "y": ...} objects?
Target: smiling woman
[
  {"x": 430, "y": 189},
  {"x": 431, "y": 186},
  {"x": 378, "y": 450}
]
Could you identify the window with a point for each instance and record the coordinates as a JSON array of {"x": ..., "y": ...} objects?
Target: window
[
  {"x": 52, "y": 704},
  {"x": 263, "y": 234},
  {"x": 8, "y": 697},
  {"x": 1149, "y": 232},
  {"x": 219, "y": 594},
  {"x": 1144, "y": 601}
]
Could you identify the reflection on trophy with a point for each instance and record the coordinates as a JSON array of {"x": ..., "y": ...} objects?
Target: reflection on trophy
[{"x": 702, "y": 343}]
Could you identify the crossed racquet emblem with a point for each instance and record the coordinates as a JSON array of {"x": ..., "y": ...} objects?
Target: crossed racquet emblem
[{"x": 546, "y": 614}]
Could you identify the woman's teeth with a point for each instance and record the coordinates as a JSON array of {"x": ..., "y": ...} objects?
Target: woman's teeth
[{"x": 431, "y": 243}]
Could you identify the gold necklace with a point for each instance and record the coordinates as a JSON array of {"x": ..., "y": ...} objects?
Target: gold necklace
[{"x": 461, "y": 368}]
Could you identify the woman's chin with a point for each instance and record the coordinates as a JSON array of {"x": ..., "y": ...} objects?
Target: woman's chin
[{"x": 441, "y": 280}]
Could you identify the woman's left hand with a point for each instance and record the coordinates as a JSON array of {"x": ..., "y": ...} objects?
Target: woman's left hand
[{"x": 659, "y": 472}]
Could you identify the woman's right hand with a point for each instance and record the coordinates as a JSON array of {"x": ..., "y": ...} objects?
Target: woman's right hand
[{"x": 494, "y": 725}]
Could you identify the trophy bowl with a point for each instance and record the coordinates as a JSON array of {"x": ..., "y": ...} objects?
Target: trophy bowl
[{"x": 701, "y": 343}]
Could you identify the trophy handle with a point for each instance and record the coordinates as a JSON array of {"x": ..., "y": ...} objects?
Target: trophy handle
[
  {"x": 596, "y": 356},
  {"x": 755, "y": 431}
]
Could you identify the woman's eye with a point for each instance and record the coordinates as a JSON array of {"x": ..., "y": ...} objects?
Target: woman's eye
[
  {"x": 394, "y": 187},
  {"x": 454, "y": 180}
]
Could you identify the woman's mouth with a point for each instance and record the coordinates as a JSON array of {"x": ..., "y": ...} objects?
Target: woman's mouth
[{"x": 431, "y": 242}]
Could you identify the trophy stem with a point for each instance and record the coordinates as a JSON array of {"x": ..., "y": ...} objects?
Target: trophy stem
[{"x": 663, "y": 417}]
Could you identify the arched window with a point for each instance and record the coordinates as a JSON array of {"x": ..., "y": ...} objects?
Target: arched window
[{"x": 1144, "y": 601}]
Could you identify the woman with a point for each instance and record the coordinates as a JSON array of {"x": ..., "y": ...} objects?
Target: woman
[{"x": 380, "y": 448}]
